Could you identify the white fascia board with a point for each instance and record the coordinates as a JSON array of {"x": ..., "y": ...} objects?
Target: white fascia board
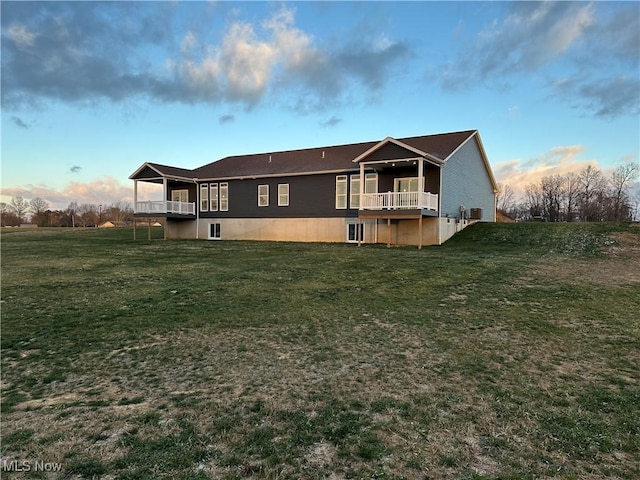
[
  {"x": 142, "y": 167},
  {"x": 387, "y": 140}
]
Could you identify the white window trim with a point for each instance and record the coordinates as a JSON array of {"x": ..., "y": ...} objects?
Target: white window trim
[
  {"x": 213, "y": 194},
  {"x": 342, "y": 179},
  {"x": 354, "y": 192},
  {"x": 223, "y": 200},
  {"x": 370, "y": 176},
  {"x": 396, "y": 183},
  {"x": 283, "y": 202},
  {"x": 179, "y": 193},
  {"x": 362, "y": 232},
  {"x": 219, "y": 237},
  {"x": 263, "y": 197},
  {"x": 204, "y": 197}
]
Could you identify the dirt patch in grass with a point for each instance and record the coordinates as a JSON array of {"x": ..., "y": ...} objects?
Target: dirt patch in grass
[{"x": 619, "y": 264}]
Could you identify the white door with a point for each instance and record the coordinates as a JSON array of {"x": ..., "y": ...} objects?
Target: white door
[
  {"x": 180, "y": 196},
  {"x": 407, "y": 184}
]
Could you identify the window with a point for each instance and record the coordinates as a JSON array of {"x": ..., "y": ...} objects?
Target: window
[
  {"x": 204, "y": 197},
  {"x": 370, "y": 186},
  {"x": 354, "y": 197},
  {"x": 214, "y": 231},
  {"x": 283, "y": 194},
  {"x": 180, "y": 196},
  {"x": 371, "y": 183},
  {"x": 224, "y": 197},
  {"x": 341, "y": 191},
  {"x": 409, "y": 184},
  {"x": 263, "y": 195},
  {"x": 213, "y": 197},
  {"x": 353, "y": 235}
]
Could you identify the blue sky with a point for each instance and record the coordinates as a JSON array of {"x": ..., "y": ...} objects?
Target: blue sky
[{"x": 92, "y": 90}]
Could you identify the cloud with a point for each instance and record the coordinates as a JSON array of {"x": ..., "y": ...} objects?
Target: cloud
[
  {"x": 109, "y": 57},
  {"x": 518, "y": 173},
  {"x": 226, "y": 119},
  {"x": 585, "y": 53},
  {"x": 331, "y": 122},
  {"x": 75, "y": 169},
  {"x": 20, "y": 123},
  {"x": 102, "y": 191},
  {"x": 605, "y": 97}
]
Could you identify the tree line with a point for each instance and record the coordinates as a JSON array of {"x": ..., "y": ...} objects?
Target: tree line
[
  {"x": 584, "y": 196},
  {"x": 36, "y": 211}
]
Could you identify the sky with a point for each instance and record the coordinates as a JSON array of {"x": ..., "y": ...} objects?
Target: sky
[{"x": 92, "y": 90}]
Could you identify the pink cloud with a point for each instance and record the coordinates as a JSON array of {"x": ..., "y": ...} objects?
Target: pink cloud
[{"x": 105, "y": 191}]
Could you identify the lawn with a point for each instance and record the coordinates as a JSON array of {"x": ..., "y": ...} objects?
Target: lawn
[{"x": 512, "y": 351}]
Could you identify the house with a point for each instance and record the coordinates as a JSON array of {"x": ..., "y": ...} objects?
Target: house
[{"x": 406, "y": 191}]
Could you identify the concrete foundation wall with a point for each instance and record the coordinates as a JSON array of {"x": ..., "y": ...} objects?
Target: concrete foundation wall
[{"x": 332, "y": 230}]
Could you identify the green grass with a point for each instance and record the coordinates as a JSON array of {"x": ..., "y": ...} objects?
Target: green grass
[{"x": 509, "y": 352}]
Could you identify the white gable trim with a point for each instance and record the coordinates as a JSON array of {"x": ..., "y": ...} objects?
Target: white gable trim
[
  {"x": 142, "y": 167},
  {"x": 161, "y": 176},
  {"x": 386, "y": 141}
]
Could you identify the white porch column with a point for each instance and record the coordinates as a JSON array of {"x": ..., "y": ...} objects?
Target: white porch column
[
  {"x": 361, "y": 200},
  {"x": 164, "y": 193},
  {"x": 198, "y": 206},
  {"x": 361, "y": 183},
  {"x": 135, "y": 195},
  {"x": 420, "y": 190}
]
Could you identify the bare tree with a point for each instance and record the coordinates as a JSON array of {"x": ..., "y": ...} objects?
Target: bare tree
[
  {"x": 571, "y": 196},
  {"x": 19, "y": 206},
  {"x": 86, "y": 215},
  {"x": 38, "y": 207},
  {"x": 7, "y": 217},
  {"x": 621, "y": 180},
  {"x": 119, "y": 212},
  {"x": 534, "y": 201},
  {"x": 505, "y": 199},
  {"x": 592, "y": 191},
  {"x": 71, "y": 212},
  {"x": 552, "y": 190}
]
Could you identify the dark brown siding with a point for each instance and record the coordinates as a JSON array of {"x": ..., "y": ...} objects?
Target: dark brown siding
[
  {"x": 310, "y": 196},
  {"x": 390, "y": 151},
  {"x": 148, "y": 172},
  {"x": 173, "y": 185},
  {"x": 387, "y": 176}
]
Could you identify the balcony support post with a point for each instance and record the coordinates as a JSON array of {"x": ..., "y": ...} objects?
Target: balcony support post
[
  {"x": 165, "y": 193},
  {"x": 420, "y": 181}
]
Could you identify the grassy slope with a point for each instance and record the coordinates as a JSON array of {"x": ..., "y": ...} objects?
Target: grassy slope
[{"x": 478, "y": 359}]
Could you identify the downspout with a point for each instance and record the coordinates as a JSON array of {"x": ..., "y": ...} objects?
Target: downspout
[
  {"x": 360, "y": 200},
  {"x": 197, "y": 208},
  {"x": 440, "y": 210}
]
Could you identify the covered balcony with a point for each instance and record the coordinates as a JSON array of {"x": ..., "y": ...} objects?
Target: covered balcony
[{"x": 177, "y": 191}]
